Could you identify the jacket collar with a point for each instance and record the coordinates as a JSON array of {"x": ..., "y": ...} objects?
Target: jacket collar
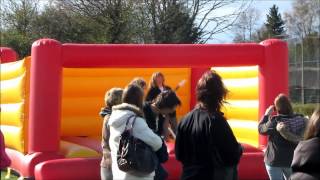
[{"x": 130, "y": 107}]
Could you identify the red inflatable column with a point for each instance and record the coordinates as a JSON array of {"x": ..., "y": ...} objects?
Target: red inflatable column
[
  {"x": 7, "y": 55},
  {"x": 196, "y": 74},
  {"x": 273, "y": 76},
  {"x": 45, "y": 96}
]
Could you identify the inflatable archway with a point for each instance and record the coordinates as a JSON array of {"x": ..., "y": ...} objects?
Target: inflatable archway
[{"x": 51, "y": 66}]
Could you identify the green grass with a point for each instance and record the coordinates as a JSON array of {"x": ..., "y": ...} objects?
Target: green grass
[
  {"x": 4, "y": 173},
  {"x": 305, "y": 109}
]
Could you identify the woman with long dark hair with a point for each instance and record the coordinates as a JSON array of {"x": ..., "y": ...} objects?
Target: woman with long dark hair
[
  {"x": 205, "y": 143},
  {"x": 306, "y": 159}
]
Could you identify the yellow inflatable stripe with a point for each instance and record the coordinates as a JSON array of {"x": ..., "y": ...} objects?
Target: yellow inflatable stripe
[
  {"x": 13, "y": 136},
  {"x": 237, "y": 72},
  {"x": 134, "y": 72},
  {"x": 241, "y": 109},
  {"x": 81, "y": 126},
  {"x": 242, "y": 88},
  {"x": 12, "y": 70},
  {"x": 251, "y": 141},
  {"x": 72, "y": 150},
  {"x": 245, "y": 130},
  {"x": 12, "y": 114},
  {"x": 12, "y": 91},
  {"x": 244, "y": 123}
]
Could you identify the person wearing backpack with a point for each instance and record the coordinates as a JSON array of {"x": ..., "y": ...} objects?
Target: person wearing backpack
[
  {"x": 279, "y": 152},
  {"x": 132, "y": 100}
]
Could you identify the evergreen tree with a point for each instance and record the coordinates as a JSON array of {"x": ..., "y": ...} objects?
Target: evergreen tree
[
  {"x": 175, "y": 25},
  {"x": 274, "y": 24}
]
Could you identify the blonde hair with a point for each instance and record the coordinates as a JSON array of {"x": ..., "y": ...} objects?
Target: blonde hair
[
  {"x": 283, "y": 105},
  {"x": 113, "y": 97},
  {"x": 313, "y": 128},
  {"x": 153, "y": 80}
]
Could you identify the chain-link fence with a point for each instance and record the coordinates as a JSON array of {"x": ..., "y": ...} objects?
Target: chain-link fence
[{"x": 304, "y": 70}]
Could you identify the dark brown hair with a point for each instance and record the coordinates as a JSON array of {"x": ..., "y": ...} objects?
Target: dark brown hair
[
  {"x": 133, "y": 94},
  {"x": 139, "y": 81},
  {"x": 313, "y": 128},
  {"x": 283, "y": 105},
  {"x": 211, "y": 92},
  {"x": 167, "y": 99}
]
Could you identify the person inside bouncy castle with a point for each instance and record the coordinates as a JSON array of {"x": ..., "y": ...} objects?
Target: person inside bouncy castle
[
  {"x": 156, "y": 114},
  {"x": 205, "y": 143},
  {"x": 156, "y": 86},
  {"x": 279, "y": 152},
  {"x": 112, "y": 97},
  {"x": 166, "y": 102},
  {"x": 306, "y": 158},
  {"x": 4, "y": 159},
  {"x": 139, "y": 82}
]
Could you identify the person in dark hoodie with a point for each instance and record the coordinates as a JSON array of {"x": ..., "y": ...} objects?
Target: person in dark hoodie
[
  {"x": 112, "y": 98},
  {"x": 156, "y": 115},
  {"x": 205, "y": 143},
  {"x": 156, "y": 86},
  {"x": 306, "y": 159}
]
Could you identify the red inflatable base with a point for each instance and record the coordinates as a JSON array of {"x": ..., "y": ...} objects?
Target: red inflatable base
[
  {"x": 25, "y": 164},
  {"x": 251, "y": 167},
  {"x": 69, "y": 169}
]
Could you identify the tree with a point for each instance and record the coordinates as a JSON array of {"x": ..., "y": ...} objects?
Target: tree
[
  {"x": 115, "y": 16},
  {"x": 66, "y": 26},
  {"x": 303, "y": 27},
  {"x": 170, "y": 22},
  {"x": 245, "y": 27},
  {"x": 19, "y": 19},
  {"x": 143, "y": 20},
  {"x": 274, "y": 24},
  {"x": 304, "y": 19},
  {"x": 210, "y": 18}
]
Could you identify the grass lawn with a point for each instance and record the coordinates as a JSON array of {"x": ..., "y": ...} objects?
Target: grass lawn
[{"x": 4, "y": 173}]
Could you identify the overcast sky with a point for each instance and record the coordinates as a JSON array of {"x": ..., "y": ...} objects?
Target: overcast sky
[{"x": 263, "y": 6}]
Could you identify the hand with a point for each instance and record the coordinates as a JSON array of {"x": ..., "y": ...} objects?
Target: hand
[
  {"x": 269, "y": 110},
  {"x": 281, "y": 126}
]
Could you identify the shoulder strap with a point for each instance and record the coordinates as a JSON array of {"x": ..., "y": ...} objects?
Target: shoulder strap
[{"x": 126, "y": 128}]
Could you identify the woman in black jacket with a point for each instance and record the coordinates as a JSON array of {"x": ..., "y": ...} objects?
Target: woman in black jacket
[
  {"x": 156, "y": 114},
  {"x": 156, "y": 86},
  {"x": 306, "y": 159},
  {"x": 205, "y": 144}
]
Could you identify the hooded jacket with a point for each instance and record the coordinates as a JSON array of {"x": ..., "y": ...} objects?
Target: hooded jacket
[
  {"x": 306, "y": 160},
  {"x": 279, "y": 152},
  {"x": 117, "y": 123}
]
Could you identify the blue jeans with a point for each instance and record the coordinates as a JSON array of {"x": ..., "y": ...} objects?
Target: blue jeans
[
  {"x": 106, "y": 173},
  {"x": 278, "y": 173}
]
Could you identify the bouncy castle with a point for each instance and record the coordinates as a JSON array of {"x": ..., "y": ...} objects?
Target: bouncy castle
[{"x": 51, "y": 100}]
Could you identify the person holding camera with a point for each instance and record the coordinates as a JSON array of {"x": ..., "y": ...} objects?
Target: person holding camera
[{"x": 279, "y": 152}]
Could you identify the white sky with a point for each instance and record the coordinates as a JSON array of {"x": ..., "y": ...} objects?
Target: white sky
[{"x": 263, "y": 6}]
